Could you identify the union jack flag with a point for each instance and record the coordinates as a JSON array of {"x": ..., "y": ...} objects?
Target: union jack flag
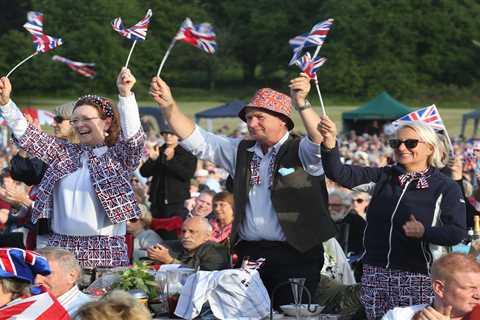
[
  {"x": 85, "y": 69},
  {"x": 316, "y": 37},
  {"x": 43, "y": 42},
  {"x": 42, "y": 306},
  {"x": 200, "y": 35},
  {"x": 308, "y": 66},
  {"x": 137, "y": 32},
  {"x": 22, "y": 264},
  {"x": 428, "y": 115}
]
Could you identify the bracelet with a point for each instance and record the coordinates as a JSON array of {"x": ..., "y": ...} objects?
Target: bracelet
[{"x": 306, "y": 105}]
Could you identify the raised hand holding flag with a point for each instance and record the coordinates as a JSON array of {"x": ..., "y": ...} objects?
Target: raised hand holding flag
[
  {"x": 42, "y": 42},
  {"x": 84, "y": 69},
  {"x": 137, "y": 32},
  {"x": 201, "y": 36}
]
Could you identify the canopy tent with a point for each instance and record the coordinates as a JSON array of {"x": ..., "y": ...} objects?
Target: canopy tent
[
  {"x": 371, "y": 117},
  {"x": 475, "y": 116},
  {"x": 227, "y": 110}
]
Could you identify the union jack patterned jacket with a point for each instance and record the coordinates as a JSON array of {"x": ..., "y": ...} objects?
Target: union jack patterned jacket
[{"x": 110, "y": 172}]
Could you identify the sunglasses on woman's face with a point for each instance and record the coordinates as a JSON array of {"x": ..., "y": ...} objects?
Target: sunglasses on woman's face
[
  {"x": 358, "y": 200},
  {"x": 59, "y": 119},
  {"x": 409, "y": 143}
]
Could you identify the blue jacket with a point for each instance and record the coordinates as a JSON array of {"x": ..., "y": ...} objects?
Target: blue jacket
[{"x": 440, "y": 208}]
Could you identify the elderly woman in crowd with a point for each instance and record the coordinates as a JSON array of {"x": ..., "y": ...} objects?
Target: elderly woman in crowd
[
  {"x": 413, "y": 207},
  {"x": 86, "y": 191},
  {"x": 222, "y": 224}
]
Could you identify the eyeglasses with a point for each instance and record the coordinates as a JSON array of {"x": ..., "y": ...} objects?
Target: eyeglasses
[
  {"x": 133, "y": 220},
  {"x": 59, "y": 119},
  {"x": 81, "y": 120},
  {"x": 359, "y": 200},
  {"x": 409, "y": 143}
]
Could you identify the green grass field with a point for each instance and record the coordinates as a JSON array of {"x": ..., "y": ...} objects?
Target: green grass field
[{"x": 451, "y": 117}]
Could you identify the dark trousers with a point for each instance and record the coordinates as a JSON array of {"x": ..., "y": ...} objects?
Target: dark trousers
[{"x": 283, "y": 262}]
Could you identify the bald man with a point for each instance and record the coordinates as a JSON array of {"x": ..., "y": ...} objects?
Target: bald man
[{"x": 194, "y": 250}]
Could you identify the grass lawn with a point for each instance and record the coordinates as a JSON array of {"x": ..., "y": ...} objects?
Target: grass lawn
[{"x": 451, "y": 117}]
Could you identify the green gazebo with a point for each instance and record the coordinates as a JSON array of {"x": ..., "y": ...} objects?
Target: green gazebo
[{"x": 371, "y": 117}]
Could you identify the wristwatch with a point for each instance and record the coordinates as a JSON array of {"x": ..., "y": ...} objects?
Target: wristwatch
[{"x": 306, "y": 105}]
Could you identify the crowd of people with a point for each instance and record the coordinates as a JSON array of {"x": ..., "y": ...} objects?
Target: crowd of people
[{"x": 100, "y": 193}]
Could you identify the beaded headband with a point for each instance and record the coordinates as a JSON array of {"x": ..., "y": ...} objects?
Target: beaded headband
[{"x": 101, "y": 102}]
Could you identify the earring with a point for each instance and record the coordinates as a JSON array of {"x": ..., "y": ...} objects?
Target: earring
[{"x": 106, "y": 134}]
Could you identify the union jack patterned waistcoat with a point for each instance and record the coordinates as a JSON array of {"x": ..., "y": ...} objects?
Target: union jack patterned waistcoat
[{"x": 110, "y": 172}]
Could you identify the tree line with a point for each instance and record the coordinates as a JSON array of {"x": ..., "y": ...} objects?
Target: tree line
[{"x": 407, "y": 47}]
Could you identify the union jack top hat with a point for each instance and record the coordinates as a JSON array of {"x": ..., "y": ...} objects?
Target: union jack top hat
[
  {"x": 272, "y": 102},
  {"x": 22, "y": 264}
]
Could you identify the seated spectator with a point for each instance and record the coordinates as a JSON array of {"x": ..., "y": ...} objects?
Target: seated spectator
[
  {"x": 223, "y": 210},
  {"x": 351, "y": 225},
  {"x": 203, "y": 205},
  {"x": 201, "y": 176},
  {"x": 456, "y": 288},
  {"x": 143, "y": 237},
  {"x": 18, "y": 269},
  {"x": 117, "y": 304},
  {"x": 360, "y": 202},
  {"x": 63, "y": 279},
  {"x": 194, "y": 250}
]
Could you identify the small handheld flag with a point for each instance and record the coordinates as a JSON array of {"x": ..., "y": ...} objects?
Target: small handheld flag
[
  {"x": 84, "y": 69},
  {"x": 42, "y": 42},
  {"x": 201, "y": 36},
  {"x": 310, "y": 65},
  {"x": 137, "y": 32},
  {"x": 428, "y": 115}
]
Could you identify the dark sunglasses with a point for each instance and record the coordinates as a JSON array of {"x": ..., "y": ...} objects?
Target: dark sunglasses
[
  {"x": 133, "y": 220},
  {"x": 358, "y": 200},
  {"x": 409, "y": 143},
  {"x": 59, "y": 119}
]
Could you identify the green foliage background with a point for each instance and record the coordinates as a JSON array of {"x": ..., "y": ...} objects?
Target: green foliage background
[{"x": 415, "y": 49}]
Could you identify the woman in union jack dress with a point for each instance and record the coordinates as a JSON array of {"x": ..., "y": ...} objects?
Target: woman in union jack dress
[{"x": 85, "y": 191}]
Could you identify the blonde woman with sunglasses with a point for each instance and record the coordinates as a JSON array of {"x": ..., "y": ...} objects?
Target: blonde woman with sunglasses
[{"x": 413, "y": 210}]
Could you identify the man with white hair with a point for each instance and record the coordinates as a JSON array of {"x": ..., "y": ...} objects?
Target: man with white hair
[
  {"x": 194, "y": 250},
  {"x": 62, "y": 282}
]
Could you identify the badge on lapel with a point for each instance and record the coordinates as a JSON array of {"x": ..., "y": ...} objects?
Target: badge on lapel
[{"x": 286, "y": 171}]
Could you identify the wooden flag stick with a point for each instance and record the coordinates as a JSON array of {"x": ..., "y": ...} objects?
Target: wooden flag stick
[
  {"x": 320, "y": 95},
  {"x": 21, "y": 62},
  {"x": 130, "y": 54},
  {"x": 170, "y": 47}
]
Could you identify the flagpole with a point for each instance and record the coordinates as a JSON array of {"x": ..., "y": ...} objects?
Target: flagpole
[
  {"x": 130, "y": 54},
  {"x": 21, "y": 62},
  {"x": 319, "y": 95},
  {"x": 452, "y": 151},
  {"x": 170, "y": 47}
]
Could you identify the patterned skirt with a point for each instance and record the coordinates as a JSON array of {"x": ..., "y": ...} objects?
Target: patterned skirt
[
  {"x": 94, "y": 251},
  {"x": 384, "y": 289}
]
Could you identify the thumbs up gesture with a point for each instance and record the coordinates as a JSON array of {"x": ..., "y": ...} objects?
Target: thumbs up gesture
[{"x": 413, "y": 228}]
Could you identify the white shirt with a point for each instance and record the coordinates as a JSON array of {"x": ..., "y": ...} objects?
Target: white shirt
[
  {"x": 76, "y": 209},
  {"x": 233, "y": 294},
  {"x": 73, "y": 299},
  {"x": 403, "y": 313},
  {"x": 261, "y": 221}
]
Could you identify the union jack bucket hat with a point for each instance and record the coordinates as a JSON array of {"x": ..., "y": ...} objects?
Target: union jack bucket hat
[
  {"x": 273, "y": 102},
  {"x": 22, "y": 264}
]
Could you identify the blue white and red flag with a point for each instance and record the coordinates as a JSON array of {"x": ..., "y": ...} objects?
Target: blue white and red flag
[
  {"x": 428, "y": 115},
  {"x": 308, "y": 66},
  {"x": 316, "y": 37},
  {"x": 43, "y": 42},
  {"x": 255, "y": 264},
  {"x": 137, "y": 32},
  {"x": 84, "y": 69},
  {"x": 200, "y": 35}
]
